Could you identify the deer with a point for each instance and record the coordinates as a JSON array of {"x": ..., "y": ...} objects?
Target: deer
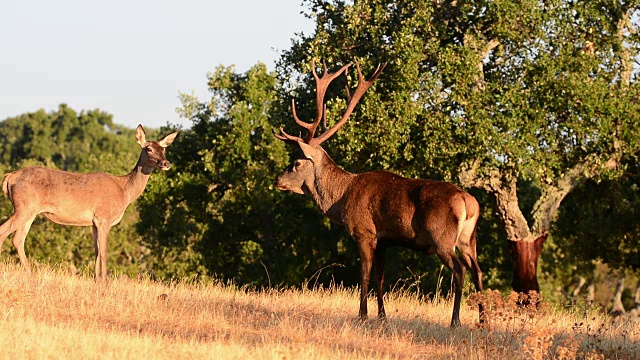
[
  {"x": 381, "y": 209},
  {"x": 98, "y": 200}
]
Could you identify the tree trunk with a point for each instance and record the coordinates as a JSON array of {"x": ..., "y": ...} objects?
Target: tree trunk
[
  {"x": 637, "y": 296},
  {"x": 635, "y": 312},
  {"x": 525, "y": 255},
  {"x": 618, "y": 307},
  {"x": 504, "y": 187},
  {"x": 591, "y": 289},
  {"x": 576, "y": 291}
]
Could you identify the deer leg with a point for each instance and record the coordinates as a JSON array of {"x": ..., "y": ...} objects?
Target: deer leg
[
  {"x": 469, "y": 258},
  {"x": 96, "y": 269},
  {"x": 16, "y": 220},
  {"x": 366, "y": 263},
  {"x": 379, "y": 267},
  {"x": 6, "y": 229},
  {"x": 104, "y": 240},
  {"x": 100, "y": 238},
  {"x": 18, "y": 242},
  {"x": 451, "y": 261},
  {"x": 471, "y": 263}
]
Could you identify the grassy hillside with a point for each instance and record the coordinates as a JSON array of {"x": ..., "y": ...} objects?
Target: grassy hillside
[{"x": 56, "y": 315}]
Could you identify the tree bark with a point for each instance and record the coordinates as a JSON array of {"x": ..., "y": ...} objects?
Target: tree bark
[
  {"x": 626, "y": 63},
  {"x": 635, "y": 312},
  {"x": 591, "y": 289},
  {"x": 576, "y": 291},
  {"x": 482, "y": 49},
  {"x": 618, "y": 307},
  {"x": 636, "y": 298},
  {"x": 525, "y": 247}
]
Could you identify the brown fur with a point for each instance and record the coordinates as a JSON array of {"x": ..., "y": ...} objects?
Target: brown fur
[
  {"x": 525, "y": 257},
  {"x": 96, "y": 200}
]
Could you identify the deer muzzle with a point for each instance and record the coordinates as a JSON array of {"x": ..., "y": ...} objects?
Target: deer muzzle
[
  {"x": 280, "y": 185},
  {"x": 284, "y": 183},
  {"x": 164, "y": 165}
]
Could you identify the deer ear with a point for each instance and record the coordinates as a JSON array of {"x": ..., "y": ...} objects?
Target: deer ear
[
  {"x": 309, "y": 151},
  {"x": 141, "y": 137},
  {"x": 168, "y": 140}
]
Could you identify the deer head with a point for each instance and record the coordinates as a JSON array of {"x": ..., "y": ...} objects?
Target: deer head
[
  {"x": 153, "y": 152},
  {"x": 301, "y": 175}
]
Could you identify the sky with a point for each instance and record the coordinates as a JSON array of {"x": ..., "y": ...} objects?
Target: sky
[{"x": 131, "y": 58}]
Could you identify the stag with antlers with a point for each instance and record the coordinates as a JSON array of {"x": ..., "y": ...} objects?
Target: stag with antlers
[{"x": 381, "y": 209}]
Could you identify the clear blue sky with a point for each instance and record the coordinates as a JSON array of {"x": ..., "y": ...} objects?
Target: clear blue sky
[{"x": 130, "y": 58}]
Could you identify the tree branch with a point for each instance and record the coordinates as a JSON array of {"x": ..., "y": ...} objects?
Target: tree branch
[
  {"x": 492, "y": 44},
  {"x": 482, "y": 49},
  {"x": 626, "y": 67},
  {"x": 546, "y": 208}
]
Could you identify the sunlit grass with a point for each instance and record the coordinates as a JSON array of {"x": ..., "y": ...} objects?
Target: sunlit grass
[{"x": 56, "y": 315}]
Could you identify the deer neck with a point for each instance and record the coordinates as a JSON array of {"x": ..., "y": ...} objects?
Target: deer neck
[
  {"x": 331, "y": 183},
  {"x": 137, "y": 180}
]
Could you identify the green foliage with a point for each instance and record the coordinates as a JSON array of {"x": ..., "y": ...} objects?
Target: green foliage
[
  {"x": 67, "y": 140},
  {"x": 218, "y": 213}
]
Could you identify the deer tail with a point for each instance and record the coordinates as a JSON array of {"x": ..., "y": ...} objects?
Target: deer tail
[
  {"x": 468, "y": 219},
  {"x": 462, "y": 219},
  {"x": 5, "y": 184}
]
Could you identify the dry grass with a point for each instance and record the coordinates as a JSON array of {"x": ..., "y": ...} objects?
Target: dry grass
[{"x": 55, "y": 315}]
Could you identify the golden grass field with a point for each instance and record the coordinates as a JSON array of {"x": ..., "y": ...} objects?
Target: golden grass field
[{"x": 55, "y": 315}]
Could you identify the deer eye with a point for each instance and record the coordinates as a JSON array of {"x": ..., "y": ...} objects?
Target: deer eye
[{"x": 149, "y": 150}]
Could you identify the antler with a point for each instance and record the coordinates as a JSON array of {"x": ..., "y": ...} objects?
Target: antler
[
  {"x": 322, "y": 83},
  {"x": 363, "y": 86}
]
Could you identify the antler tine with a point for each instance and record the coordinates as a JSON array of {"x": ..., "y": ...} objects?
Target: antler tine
[
  {"x": 324, "y": 117},
  {"x": 305, "y": 125},
  {"x": 362, "y": 87},
  {"x": 378, "y": 71},
  {"x": 285, "y": 136},
  {"x": 374, "y": 77},
  {"x": 313, "y": 70}
]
